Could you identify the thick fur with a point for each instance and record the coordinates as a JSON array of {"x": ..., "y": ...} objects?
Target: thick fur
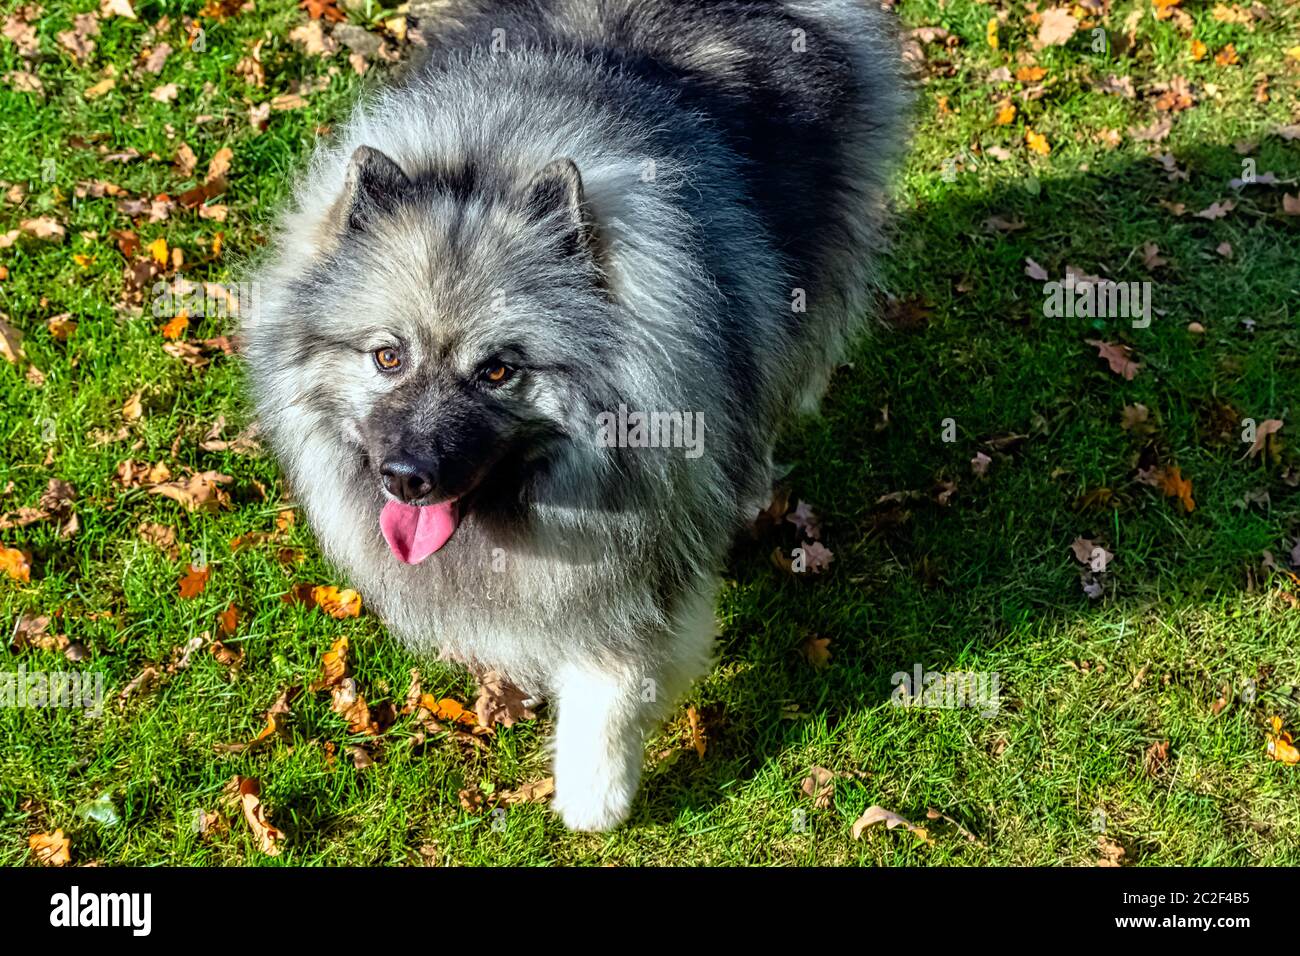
[{"x": 629, "y": 199}]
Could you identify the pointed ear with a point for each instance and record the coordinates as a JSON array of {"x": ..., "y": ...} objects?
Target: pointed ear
[
  {"x": 374, "y": 185},
  {"x": 555, "y": 195}
]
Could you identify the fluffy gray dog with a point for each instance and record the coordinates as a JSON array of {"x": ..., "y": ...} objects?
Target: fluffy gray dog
[{"x": 527, "y": 335}]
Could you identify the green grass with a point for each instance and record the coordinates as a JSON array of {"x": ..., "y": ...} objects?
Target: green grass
[{"x": 986, "y": 583}]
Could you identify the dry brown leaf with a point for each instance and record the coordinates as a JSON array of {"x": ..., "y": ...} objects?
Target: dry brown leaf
[
  {"x": 1111, "y": 853},
  {"x": 698, "y": 739},
  {"x": 198, "y": 492},
  {"x": 536, "y": 792},
  {"x": 820, "y": 786},
  {"x": 499, "y": 701},
  {"x": 1270, "y": 426},
  {"x": 878, "y": 814},
  {"x": 1056, "y": 27},
  {"x": 248, "y": 792},
  {"x": 1117, "y": 357}
]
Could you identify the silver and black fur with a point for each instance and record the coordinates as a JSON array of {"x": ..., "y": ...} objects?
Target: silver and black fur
[{"x": 571, "y": 206}]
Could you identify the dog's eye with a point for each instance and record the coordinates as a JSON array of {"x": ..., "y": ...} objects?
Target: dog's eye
[
  {"x": 497, "y": 373},
  {"x": 388, "y": 359}
]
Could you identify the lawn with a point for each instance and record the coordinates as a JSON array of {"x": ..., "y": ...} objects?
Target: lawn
[{"x": 962, "y": 458}]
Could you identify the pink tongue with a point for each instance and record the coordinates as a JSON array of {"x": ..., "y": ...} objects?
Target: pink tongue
[{"x": 413, "y": 533}]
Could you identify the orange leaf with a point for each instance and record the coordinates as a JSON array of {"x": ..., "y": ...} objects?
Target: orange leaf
[
  {"x": 1174, "y": 485},
  {"x": 176, "y": 327},
  {"x": 52, "y": 849},
  {"x": 337, "y": 603},
  {"x": 250, "y": 802},
  {"x": 1006, "y": 113},
  {"x": 229, "y": 619},
  {"x": 195, "y": 581},
  {"x": 1280, "y": 745},
  {"x": 449, "y": 710},
  {"x": 1227, "y": 56},
  {"x": 17, "y": 564},
  {"x": 1198, "y": 50},
  {"x": 334, "y": 663},
  {"x": 697, "y": 735}
]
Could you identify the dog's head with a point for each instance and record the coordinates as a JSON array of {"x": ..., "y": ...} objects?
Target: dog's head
[{"x": 449, "y": 331}]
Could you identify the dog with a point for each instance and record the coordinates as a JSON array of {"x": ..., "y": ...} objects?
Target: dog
[{"x": 526, "y": 334}]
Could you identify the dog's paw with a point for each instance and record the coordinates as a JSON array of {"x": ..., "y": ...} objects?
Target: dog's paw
[{"x": 591, "y": 809}]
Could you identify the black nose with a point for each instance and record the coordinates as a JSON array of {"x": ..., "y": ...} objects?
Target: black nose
[{"x": 407, "y": 477}]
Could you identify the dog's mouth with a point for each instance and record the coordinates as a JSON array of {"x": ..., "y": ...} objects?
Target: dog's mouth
[{"x": 414, "y": 532}]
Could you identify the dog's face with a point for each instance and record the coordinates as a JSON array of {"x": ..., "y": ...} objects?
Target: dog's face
[{"x": 444, "y": 330}]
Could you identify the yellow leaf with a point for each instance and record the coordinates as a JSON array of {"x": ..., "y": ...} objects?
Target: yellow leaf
[
  {"x": 158, "y": 249},
  {"x": 1037, "y": 142},
  {"x": 991, "y": 31},
  {"x": 1198, "y": 50},
  {"x": 100, "y": 88},
  {"x": 133, "y": 410},
  {"x": 16, "y": 564},
  {"x": 337, "y": 603},
  {"x": 1006, "y": 113},
  {"x": 1280, "y": 745}
]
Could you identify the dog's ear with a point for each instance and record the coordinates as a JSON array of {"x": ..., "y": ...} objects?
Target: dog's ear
[
  {"x": 374, "y": 185},
  {"x": 554, "y": 196}
]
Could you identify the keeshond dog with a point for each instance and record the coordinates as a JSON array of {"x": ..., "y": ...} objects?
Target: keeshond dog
[{"x": 529, "y": 330}]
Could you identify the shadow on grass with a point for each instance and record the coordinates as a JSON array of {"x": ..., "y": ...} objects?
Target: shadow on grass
[{"x": 953, "y": 587}]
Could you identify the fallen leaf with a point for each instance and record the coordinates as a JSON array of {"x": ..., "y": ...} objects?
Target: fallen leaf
[
  {"x": 248, "y": 792},
  {"x": 816, "y": 651},
  {"x": 337, "y": 603},
  {"x": 51, "y": 849},
  {"x": 1056, "y": 27},
  {"x": 1035, "y": 271},
  {"x": 1111, "y": 852},
  {"x": 1270, "y": 426},
  {"x": 194, "y": 581},
  {"x": 819, "y": 785},
  {"x": 500, "y": 702},
  {"x": 1217, "y": 210},
  {"x": 536, "y": 792},
  {"x": 878, "y": 814},
  {"x": 698, "y": 740},
  {"x": 16, "y": 564},
  {"x": 1117, "y": 357},
  {"x": 1037, "y": 142},
  {"x": 1280, "y": 745}
]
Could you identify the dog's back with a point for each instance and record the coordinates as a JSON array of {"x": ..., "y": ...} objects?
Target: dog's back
[{"x": 795, "y": 88}]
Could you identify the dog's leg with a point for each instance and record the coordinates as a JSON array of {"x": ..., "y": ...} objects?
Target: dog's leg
[
  {"x": 605, "y": 714},
  {"x": 599, "y": 746}
]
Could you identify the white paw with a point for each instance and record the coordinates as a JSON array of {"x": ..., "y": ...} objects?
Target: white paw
[{"x": 591, "y": 808}]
